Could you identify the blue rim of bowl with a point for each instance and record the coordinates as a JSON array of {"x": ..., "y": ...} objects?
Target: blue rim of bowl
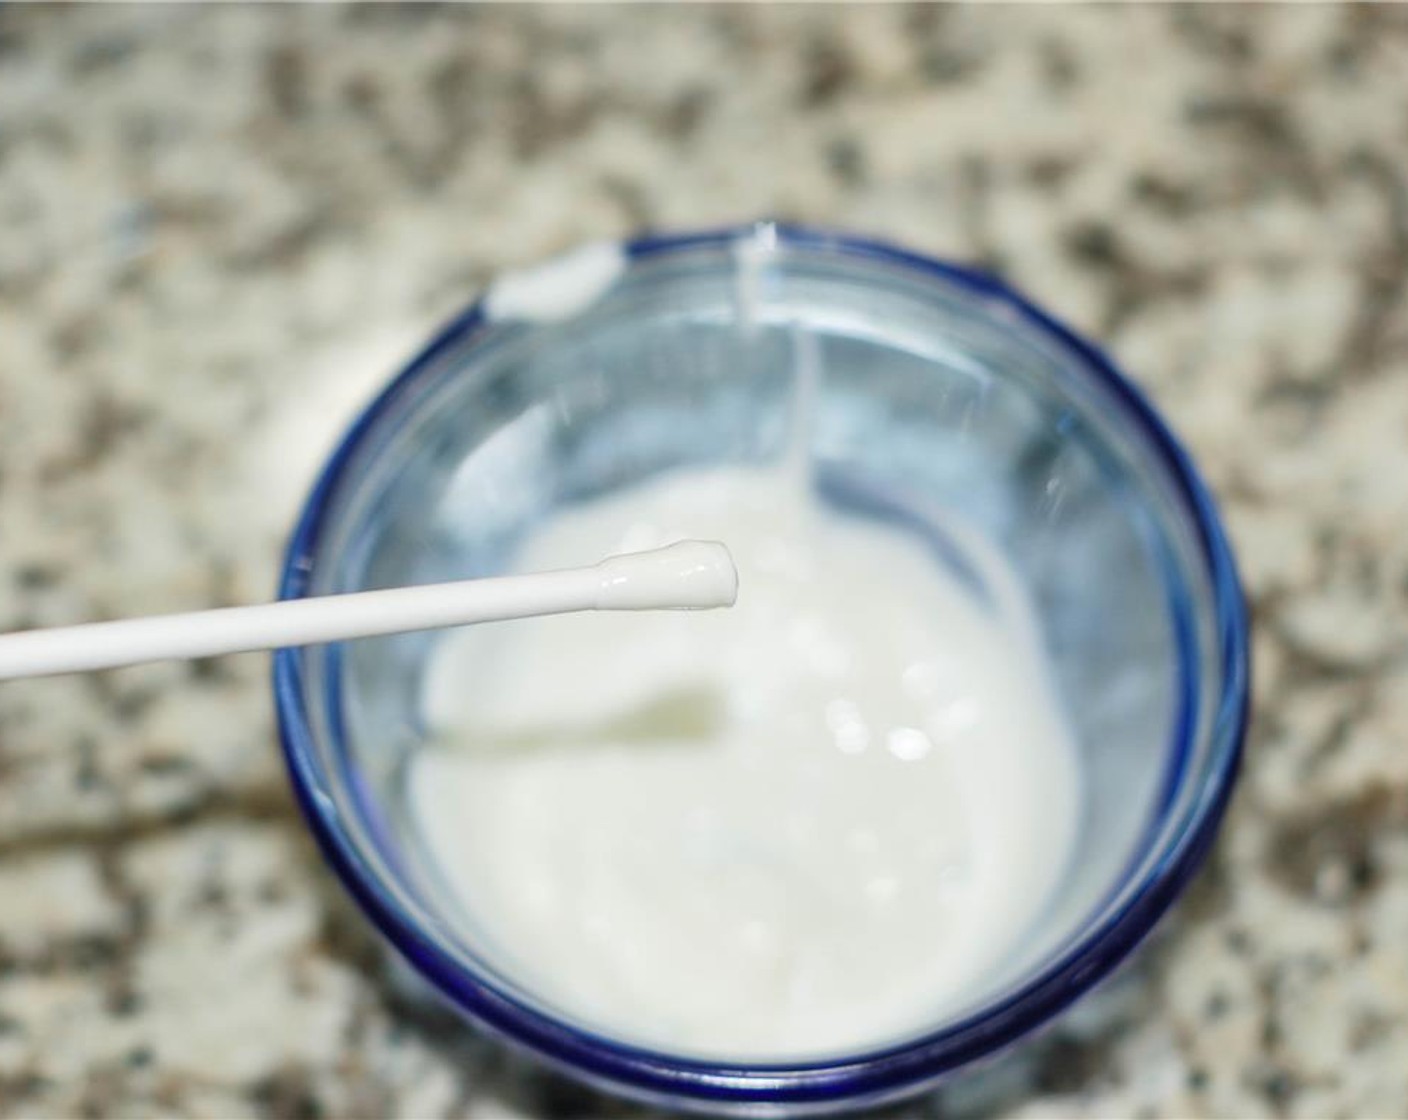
[{"x": 866, "y": 1076}]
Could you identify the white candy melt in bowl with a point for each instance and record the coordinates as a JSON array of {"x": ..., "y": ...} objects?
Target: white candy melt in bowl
[{"x": 963, "y": 739}]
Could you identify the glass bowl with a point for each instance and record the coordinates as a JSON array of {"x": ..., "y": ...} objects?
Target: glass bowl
[{"x": 942, "y": 387}]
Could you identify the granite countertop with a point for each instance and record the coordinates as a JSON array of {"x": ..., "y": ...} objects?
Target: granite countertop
[{"x": 221, "y": 227}]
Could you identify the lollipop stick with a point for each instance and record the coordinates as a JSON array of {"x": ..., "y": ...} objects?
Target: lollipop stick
[{"x": 688, "y": 575}]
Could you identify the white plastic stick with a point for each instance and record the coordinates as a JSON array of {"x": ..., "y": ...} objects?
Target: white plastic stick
[{"x": 691, "y": 575}]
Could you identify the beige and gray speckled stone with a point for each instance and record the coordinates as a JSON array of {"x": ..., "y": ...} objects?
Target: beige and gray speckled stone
[{"x": 220, "y": 228}]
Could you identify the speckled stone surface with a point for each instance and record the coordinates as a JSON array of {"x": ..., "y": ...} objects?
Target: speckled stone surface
[{"x": 220, "y": 228}]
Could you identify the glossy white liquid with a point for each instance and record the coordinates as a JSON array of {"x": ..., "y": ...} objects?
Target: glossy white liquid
[
  {"x": 819, "y": 821},
  {"x": 684, "y": 575}
]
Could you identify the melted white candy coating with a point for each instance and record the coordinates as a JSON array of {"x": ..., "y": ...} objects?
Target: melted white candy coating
[{"x": 821, "y": 820}]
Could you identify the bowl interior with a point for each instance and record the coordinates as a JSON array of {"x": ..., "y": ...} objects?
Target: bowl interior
[{"x": 934, "y": 396}]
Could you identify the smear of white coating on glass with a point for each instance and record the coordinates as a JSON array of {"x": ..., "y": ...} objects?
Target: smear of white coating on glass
[
  {"x": 750, "y": 256},
  {"x": 557, "y": 289}
]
